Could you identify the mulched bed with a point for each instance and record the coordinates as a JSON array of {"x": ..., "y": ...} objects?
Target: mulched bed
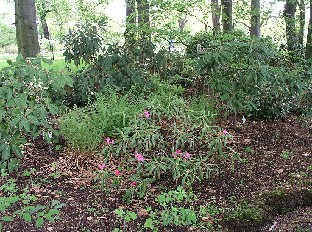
[{"x": 261, "y": 145}]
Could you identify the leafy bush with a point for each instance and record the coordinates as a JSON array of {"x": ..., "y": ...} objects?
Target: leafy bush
[
  {"x": 25, "y": 106},
  {"x": 248, "y": 74}
]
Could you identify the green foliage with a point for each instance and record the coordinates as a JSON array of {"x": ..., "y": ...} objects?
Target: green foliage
[
  {"x": 82, "y": 44},
  {"x": 245, "y": 215},
  {"x": 170, "y": 214},
  {"x": 7, "y": 35},
  {"x": 248, "y": 74},
  {"x": 126, "y": 216},
  {"x": 25, "y": 106},
  {"x": 22, "y": 205}
]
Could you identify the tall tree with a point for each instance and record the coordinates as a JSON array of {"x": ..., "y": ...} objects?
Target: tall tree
[
  {"x": 308, "y": 53},
  {"x": 43, "y": 10},
  {"x": 26, "y": 28},
  {"x": 290, "y": 20},
  {"x": 302, "y": 21},
  {"x": 255, "y": 18},
  {"x": 215, "y": 16},
  {"x": 143, "y": 20},
  {"x": 130, "y": 24},
  {"x": 227, "y": 17}
]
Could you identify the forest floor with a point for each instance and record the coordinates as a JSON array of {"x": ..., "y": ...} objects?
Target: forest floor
[{"x": 269, "y": 190}]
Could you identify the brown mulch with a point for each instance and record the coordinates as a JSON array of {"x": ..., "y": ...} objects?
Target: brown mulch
[{"x": 263, "y": 170}]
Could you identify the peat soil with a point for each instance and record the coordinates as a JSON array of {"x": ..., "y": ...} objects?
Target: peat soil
[{"x": 275, "y": 172}]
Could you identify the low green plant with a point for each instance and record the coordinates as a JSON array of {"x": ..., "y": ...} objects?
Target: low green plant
[
  {"x": 125, "y": 216},
  {"x": 286, "y": 154},
  {"x": 244, "y": 215},
  {"x": 24, "y": 207},
  {"x": 170, "y": 214}
]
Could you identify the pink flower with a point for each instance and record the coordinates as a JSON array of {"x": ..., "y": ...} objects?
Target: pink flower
[
  {"x": 225, "y": 132},
  {"x": 187, "y": 155},
  {"x": 117, "y": 172},
  {"x": 139, "y": 156},
  {"x": 178, "y": 152},
  {"x": 133, "y": 184},
  {"x": 101, "y": 166},
  {"x": 146, "y": 114},
  {"x": 109, "y": 141}
]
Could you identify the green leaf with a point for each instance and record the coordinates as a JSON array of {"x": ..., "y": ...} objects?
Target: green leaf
[
  {"x": 7, "y": 219},
  {"x": 27, "y": 217},
  {"x": 39, "y": 222},
  {"x": 6, "y": 152}
]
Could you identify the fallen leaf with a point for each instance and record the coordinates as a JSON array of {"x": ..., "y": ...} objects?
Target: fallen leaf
[
  {"x": 207, "y": 219},
  {"x": 50, "y": 228},
  {"x": 142, "y": 212},
  {"x": 280, "y": 171},
  {"x": 89, "y": 218}
]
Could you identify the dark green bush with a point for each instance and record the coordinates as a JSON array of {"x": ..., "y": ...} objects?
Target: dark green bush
[{"x": 247, "y": 74}]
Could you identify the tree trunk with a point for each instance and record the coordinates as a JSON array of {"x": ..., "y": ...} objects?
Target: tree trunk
[
  {"x": 143, "y": 28},
  {"x": 44, "y": 25},
  {"x": 130, "y": 24},
  {"x": 143, "y": 18},
  {"x": 308, "y": 53},
  {"x": 182, "y": 22},
  {"x": 26, "y": 28},
  {"x": 227, "y": 18},
  {"x": 255, "y": 18},
  {"x": 215, "y": 16},
  {"x": 302, "y": 21},
  {"x": 290, "y": 20}
]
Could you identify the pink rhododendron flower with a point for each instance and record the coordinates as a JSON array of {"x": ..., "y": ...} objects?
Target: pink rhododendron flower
[
  {"x": 101, "y": 166},
  {"x": 109, "y": 141},
  {"x": 139, "y": 156},
  {"x": 225, "y": 132},
  {"x": 133, "y": 184},
  {"x": 187, "y": 155},
  {"x": 146, "y": 114},
  {"x": 117, "y": 172}
]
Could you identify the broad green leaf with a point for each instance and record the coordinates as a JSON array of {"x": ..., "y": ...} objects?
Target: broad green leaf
[
  {"x": 39, "y": 222},
  {"x": 27, "y": 217},
  {"x": 7, "y": 219},
  {"x": 6, "y": 152}
]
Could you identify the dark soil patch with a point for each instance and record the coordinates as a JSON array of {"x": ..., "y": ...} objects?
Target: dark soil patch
[{"x": 275, "y": 174}]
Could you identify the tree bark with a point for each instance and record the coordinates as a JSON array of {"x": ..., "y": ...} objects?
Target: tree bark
[
  {"x": 227, "y": 18},
  {"x": 143, "y": 18},
  {"x": 215, "y": 16},
  {"x": 308, "y": 53},
  {"x": 302, "y": 21},
  {"x": 290, "y": 20},
  {"x": 255, "y": 18},
  {"x": 26, "y": 28},
  {"x": 44, "y": 25},
  {"x": 130, "y": 31}
]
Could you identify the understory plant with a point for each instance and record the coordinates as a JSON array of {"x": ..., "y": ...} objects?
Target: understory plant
[
  {"x": 25, "y": 106},
  {"x": 15, "y": 203}
]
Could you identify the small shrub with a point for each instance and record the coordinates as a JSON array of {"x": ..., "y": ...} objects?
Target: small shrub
[{"x": 25, "y": 106}]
